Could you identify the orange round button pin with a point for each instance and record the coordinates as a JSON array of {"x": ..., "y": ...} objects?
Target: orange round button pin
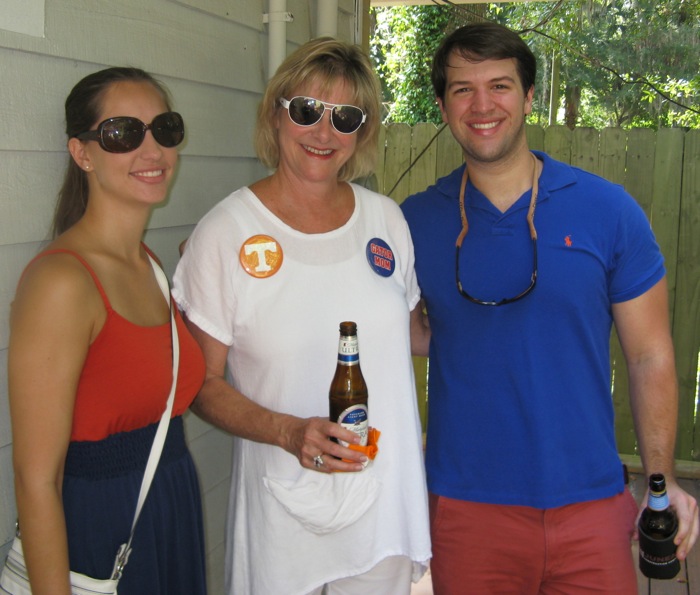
[{"x": 261, "y": 256}]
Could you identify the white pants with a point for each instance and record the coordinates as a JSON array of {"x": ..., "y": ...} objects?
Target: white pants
[{"x": 392, "y": 576}]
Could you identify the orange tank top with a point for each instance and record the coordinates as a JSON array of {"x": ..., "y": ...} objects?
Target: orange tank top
[{"x": 127, "y": 375}]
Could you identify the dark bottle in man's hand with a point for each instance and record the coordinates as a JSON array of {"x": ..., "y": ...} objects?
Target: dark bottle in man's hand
[{"x": 658, "y": 526}]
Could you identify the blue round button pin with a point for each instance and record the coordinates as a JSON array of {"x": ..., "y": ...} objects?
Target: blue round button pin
[{"x": 380, "y": 257}]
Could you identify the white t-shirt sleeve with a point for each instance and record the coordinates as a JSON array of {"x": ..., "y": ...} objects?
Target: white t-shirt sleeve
[{"x": 202, "y": 284}]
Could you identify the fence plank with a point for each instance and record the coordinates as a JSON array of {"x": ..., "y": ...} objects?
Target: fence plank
[
  {"x": 665, "y": 210},
  {"x": 380, "y": 167},
  {"x": 624, "y": 422},
  {"x": 638, "y": 181},
  {"x": 424, "y": 158},
  {"x": 535, "y": 137},
  {"x": 639, "y": 166},
  {"x": 397, "y": 159},
  {"x": 449, "y": 155},
  {"x": 584, "y": 149},
  {"x": 611, "y": 162},
  {"x": 557, "y": 143},
  {"x": 423, "y": 174},
  {"x": 686, "y": 327},
  {"x": 611, "y": 165}
]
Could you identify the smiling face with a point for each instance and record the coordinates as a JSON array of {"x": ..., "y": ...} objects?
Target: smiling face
[
  {"x": 315, "y": 153},
  {"x": 140, "y": 176},
  {"x": 485, "y": 108}
]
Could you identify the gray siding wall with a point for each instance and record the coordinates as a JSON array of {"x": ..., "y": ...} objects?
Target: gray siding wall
[{"x": 212, "y": 54}]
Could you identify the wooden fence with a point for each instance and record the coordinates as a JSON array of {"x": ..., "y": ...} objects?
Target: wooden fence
[{"x": 661, "y": 169}]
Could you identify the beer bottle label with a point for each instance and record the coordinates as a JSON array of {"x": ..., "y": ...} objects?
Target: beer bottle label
[
  {"x": 355, "y": 419},
  {"x": 348, "y": 351}
]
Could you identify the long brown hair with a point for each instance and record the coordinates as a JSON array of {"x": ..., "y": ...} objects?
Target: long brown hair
[{"x": 83, "y": 107}]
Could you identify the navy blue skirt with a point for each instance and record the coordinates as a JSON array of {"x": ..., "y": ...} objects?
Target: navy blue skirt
[{"x": 100, "y": 489}]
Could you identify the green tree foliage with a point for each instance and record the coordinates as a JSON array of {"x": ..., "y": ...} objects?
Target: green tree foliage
[
  {"x": 635, "y": 63},
  {"x": 405, "y": 39},
  {"x": 630, "y": 63}
]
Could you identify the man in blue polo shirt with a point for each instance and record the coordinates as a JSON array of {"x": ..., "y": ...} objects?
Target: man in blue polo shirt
[{"x": 526, "y": 486}]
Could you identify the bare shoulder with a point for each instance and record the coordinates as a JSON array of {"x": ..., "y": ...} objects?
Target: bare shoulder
[
  {"x": 58, "y": 285},
  {"x": 58, "y": 272}
]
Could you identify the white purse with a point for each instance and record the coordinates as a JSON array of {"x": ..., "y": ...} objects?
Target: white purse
[{"x": 14, "y": 579}]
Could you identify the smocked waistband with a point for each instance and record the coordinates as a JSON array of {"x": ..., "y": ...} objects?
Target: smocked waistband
[{"x": 123, "y": 453}]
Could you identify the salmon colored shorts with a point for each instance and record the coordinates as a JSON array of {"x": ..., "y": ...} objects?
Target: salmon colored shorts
[{"x": 497, "y": 549}]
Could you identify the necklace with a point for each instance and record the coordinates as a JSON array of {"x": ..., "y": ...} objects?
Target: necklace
[{"x": 530, "y": 212}]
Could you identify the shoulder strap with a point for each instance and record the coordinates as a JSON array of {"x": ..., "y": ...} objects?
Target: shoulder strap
[{"x": 161, "y": 432}]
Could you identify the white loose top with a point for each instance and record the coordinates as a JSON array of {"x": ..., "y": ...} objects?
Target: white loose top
[{"x": 290, "y": 529}]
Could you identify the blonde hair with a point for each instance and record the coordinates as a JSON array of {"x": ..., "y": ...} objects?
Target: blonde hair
[{"x": 325, "y": 61}]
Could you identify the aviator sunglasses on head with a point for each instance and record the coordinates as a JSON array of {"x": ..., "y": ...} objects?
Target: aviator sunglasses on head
[
  {"x": 124, "y": 133},
  {"x": 307, "y": 111}
]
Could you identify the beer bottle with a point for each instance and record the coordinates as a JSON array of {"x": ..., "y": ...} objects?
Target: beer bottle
[
  {"x": 348, "y": 392},
  {"x": 658, "y": 526}
]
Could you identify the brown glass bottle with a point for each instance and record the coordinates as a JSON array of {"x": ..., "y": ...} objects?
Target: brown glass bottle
[
  {"x": 658, "y": 526},
  {"x": 348, "y": 395}
]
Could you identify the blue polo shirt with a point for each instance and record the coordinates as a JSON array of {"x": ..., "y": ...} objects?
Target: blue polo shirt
[{"x": 520, "y": 407}]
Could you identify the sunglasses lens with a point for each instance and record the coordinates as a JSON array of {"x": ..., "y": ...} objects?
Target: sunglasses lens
[
  {"x": 305, "y": 111},
  {"x": 168, "y": 129},
  {"x": 347, "y": 118},
  {"x": 121, "y": 135}
]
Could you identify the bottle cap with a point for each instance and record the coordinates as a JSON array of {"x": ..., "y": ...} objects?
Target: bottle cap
[{"x": 348, "y": 328}]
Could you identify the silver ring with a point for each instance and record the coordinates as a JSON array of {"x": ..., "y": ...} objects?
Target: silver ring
[{"x": 318, "y": 460}]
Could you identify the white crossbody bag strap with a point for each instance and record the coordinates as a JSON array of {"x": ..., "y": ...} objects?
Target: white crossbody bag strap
[{"x": 161, "y": 432}]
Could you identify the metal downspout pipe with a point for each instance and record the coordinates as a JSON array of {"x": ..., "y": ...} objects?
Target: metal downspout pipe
[
  {"x": 327, "y": 18},
  {"x": 277, "y": 18}
]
